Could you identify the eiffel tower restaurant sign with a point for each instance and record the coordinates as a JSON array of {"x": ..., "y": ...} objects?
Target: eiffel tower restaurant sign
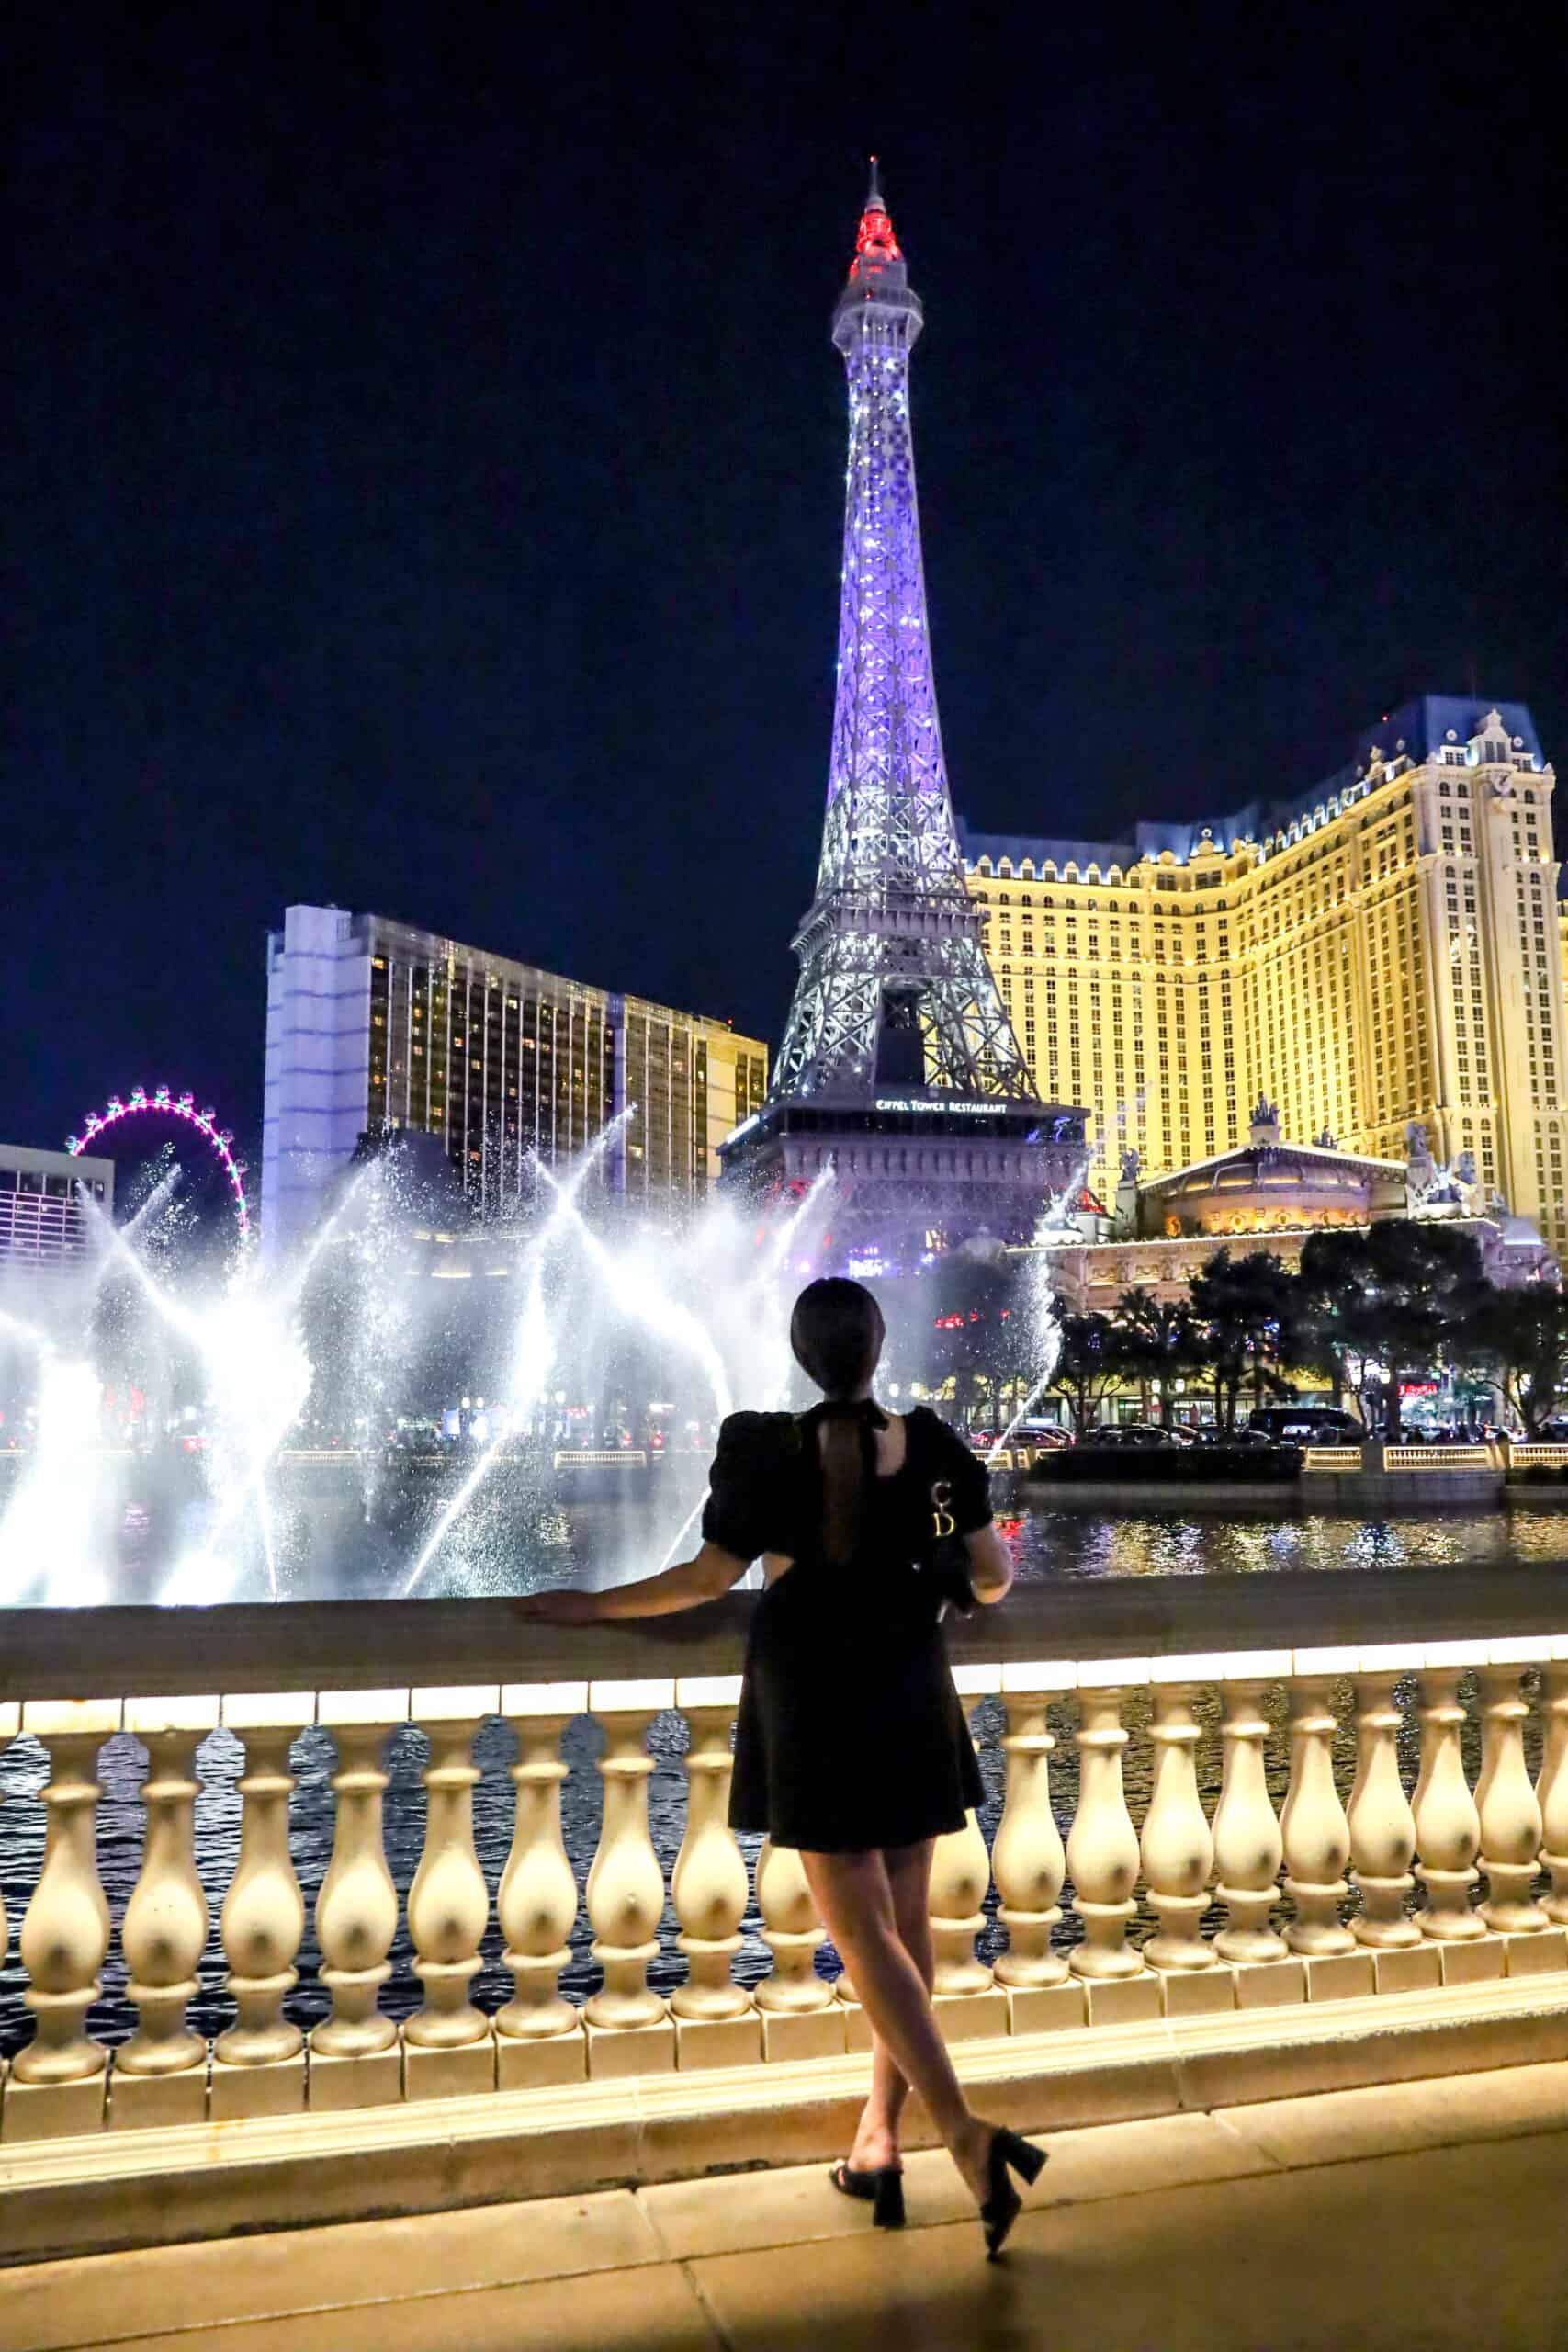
[{"x": 899, "y": 1072}]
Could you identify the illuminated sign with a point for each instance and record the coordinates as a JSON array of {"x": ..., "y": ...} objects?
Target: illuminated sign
[{"x": 964, "y": 1109}]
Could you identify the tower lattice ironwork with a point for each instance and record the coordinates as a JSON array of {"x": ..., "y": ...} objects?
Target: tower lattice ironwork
[
  {"x": 890, "y": 950},
  {"x": 899, "y": 1076}
]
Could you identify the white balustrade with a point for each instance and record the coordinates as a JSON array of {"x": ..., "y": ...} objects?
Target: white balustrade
[
  {"x": 165, "y": 1929},
  {"x": 1102, "y": 1847},
  {"x": 1552, "y": 1788},
  {"x": 448, "y": 1902},
  {"x": 961, "y": 1873},
  {"x": 625, "y": 1885},
  {"x": 264, "y": 1911},
  {"x": 1248, "y": 1849},
  {"x": 1178, "y": 1846},
  {"x": 1511, "y": 1826},
  {"x": 1437, "y": 1841},
  {"x": 10, "y": 1717},
  {"x": 66, "y": 1935},
  {"x": 1448, "y": 1827},
  {"x": 537, "y": 1902},
  {"x": 356, "y": 1909},
  {"x": 793, "y": 1933},
  {"x": 1313, "y": 1831},
  {"x": 1028, "y": 1858},
  {"x": 709, "y": 1883},
  {"x": 1383, "y": 1827}
]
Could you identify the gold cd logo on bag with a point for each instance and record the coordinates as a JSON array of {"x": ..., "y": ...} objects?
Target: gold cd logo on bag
[{"x": 942, "y": 1521}]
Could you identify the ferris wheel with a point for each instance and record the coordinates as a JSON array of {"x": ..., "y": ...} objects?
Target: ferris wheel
[{"x": 165, "y": 1105}]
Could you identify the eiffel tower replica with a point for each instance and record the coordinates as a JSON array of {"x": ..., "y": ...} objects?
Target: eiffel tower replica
[{"x": 899, "y": 1071}]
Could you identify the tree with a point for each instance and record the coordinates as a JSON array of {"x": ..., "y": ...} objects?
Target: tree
[
  {"x": 982, "y": 1337},
  {"x": 1523, "y": 1334},
  {"x": 1161, "y": 1341},
  {"x": 1092, "y": 1359},
  {"x": 1385, "y": 1298},
  {"x": 1246, "y": 1309}
]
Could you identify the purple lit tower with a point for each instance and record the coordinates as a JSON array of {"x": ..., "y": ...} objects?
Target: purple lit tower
[{"x": 900, "y": 1066}]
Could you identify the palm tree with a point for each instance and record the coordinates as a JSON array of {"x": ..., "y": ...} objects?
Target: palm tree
[{"x": 1162, "y": 1341}]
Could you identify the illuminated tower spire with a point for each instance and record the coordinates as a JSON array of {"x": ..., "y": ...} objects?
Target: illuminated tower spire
[{"x": 894, "y": 985}]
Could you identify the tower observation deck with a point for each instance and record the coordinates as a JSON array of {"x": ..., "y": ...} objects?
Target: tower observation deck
[{"x": 900, "y": 1066}]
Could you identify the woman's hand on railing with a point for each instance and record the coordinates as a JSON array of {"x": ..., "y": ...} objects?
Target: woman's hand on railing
[
  {"x": 686, "y": 1586},
  {"x": 562, "y": 1607}
]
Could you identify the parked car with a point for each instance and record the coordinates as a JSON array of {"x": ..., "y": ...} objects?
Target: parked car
[
  {"x": 1306, "y": 1425},
  {"x": 1043, "y": 1435},
  {"x": 1132, "y": 1434}
]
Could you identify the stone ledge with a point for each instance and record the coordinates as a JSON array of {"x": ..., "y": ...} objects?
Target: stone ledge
[{"x": 103, "y": 2191}]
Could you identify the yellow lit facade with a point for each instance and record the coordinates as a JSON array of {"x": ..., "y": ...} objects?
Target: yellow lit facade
[{"x": 1386, "y": 950}]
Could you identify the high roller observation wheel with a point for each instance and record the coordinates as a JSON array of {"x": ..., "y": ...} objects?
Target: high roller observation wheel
[{"x": 165, "y": 1105}]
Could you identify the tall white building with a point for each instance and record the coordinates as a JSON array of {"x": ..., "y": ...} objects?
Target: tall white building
[
  {"x": 44, "y": 1218},
  {"x": 373, "y": 1027}
]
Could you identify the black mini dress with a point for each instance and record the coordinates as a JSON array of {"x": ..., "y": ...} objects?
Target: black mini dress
[{"x": 849, "y": 1734}]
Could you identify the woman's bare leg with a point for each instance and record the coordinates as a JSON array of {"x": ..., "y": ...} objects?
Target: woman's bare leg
[
  {"x": 853, "y": 1893},
  {"x": 909, "y": 1875}
]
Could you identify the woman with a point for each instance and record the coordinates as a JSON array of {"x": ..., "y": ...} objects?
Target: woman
[{"x": 850, "y": 1744}]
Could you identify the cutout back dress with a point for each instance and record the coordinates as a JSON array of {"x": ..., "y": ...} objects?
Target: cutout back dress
[{"x": 849, "y": 1732}]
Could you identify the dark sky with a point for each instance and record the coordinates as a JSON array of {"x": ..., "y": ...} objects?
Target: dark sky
[{"x": 423, "y": 490}]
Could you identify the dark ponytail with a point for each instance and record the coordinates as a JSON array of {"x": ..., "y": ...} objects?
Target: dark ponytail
[{"x": 837, "y": 1333}]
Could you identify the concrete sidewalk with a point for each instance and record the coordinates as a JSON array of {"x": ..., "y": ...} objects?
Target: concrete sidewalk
[{"x": 1426, "y": 2216}]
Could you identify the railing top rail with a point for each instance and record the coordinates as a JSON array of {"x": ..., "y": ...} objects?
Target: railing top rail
[
  {"x": 370, "y": 1643},
  {"x": 1438, "y": 1457}
]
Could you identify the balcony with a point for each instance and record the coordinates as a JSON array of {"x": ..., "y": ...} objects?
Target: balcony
[{"x": 1315, "y": 1837}]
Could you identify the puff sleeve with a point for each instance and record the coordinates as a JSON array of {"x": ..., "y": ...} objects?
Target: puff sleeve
[{"x": 740, "y": 1486}]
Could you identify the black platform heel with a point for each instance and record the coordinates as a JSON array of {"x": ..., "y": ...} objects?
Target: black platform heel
[
  {"x": 882, "y": 2189},
  {"x": 1003, "y": 2206}
]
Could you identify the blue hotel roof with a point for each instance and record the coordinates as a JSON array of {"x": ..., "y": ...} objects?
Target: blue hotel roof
[{"x": 1419, "y": 729}]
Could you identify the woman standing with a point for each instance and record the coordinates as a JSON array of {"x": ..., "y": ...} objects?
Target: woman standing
[{"x": 850, "y": 1744}]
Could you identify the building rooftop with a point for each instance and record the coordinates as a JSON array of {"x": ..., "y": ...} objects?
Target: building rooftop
[{"x": 1417, "y": 731}]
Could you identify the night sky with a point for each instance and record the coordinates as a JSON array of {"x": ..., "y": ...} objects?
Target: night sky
[{"x": 423, "y": 485}]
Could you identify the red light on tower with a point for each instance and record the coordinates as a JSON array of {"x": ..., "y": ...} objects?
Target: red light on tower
[{"x": 875, "y": 241}]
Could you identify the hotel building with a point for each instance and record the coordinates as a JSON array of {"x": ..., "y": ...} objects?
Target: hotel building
[
  {"x": 372, "y": 1028},
  {"x": 1381, "y": 950},
  {"x": 44, "y": 1220}
]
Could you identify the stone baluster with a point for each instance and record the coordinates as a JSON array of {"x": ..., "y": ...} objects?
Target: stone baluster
[
  {"x": 793, "y": 1933},
  {"x": 1028, "y": 1859},
  {"x": 714, "y": 2022},
  {"x": 1511, "y": 1826},
  {"x": 1552, "y": 1788},
  {"x": 1383, "y": 1827},
  {"x": 1102, "y": 1844},
  {"x": 537, "y": 1902},
  {"x": 448, "y": 2046},
  {"x": 1177, "y": 1847},
  {"x": 1249, "y": 1848},
  {"x": 160, "y": 2075},
  {"x": 625, "y": 1885},
  {"x": 961, "y": 1873},
  {"x": 258, "y": 2065},
  {"x": 1448, "y": 1827},
  {"x": 708, "y": 1883},
  {"x": 1314, "y": 1833},
  {"x": 57, "y": 2082},
  {"x": 10, "y": 1718},
  {"x": 354, "y": 2056}
]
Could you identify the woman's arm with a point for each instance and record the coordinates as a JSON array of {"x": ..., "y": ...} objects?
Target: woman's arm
[
  {"x": 990, "y": 1563},
  {"x": 686, "y": 1586}
]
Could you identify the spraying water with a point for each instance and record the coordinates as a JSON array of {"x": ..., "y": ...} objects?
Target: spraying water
[{"x": 252, "y": 1429}]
